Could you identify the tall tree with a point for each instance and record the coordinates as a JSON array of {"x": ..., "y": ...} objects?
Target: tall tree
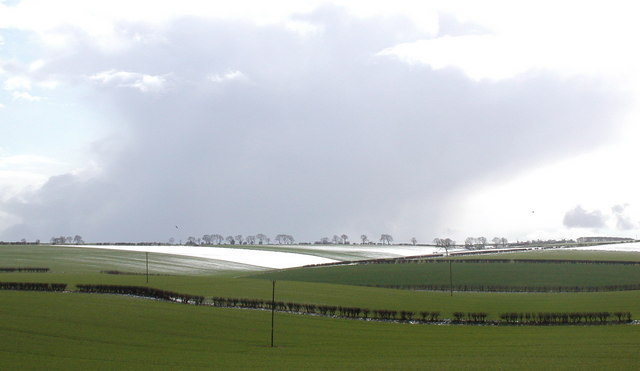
[
  {"x": 261, "y": 238},
  {"x": 345, "y": 239},
  {"x": 386, "y": 239},
  {"x": 469, "y": 242},
  {"x": 364, "y": 238},
  {"x": 206, "y": 239},
  {"x": 217, "y": 238}
]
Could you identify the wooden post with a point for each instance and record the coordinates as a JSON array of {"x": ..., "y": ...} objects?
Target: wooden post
[
  {"x": 146, "y": 254},
  {"x": 450, "y": 278},
  {"x": 273, "y": 308}
]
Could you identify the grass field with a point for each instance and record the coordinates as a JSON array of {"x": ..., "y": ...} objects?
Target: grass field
[
  {"x": 469, "y": 274},
  {"x": 77, "y": 331},
  {"x": 80, "y": 331}
]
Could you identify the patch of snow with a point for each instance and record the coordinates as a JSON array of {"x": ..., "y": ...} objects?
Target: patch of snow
[
  {"x": 259, "y": 258},
  {"x": 624, "y": 247}
]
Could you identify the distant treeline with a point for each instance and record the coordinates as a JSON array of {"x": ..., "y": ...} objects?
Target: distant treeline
[
  {"x": 501, "y": 288},
  {"x": 20, "y": 243},
  {"x": 131, "y": 273},
  {"x": 26, "y": 269},
  {"x": 32, "y": 286},
  {"x": 142, "y": 291}
]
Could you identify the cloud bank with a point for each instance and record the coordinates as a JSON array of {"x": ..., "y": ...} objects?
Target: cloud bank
[{"x": 228, "y": 127}]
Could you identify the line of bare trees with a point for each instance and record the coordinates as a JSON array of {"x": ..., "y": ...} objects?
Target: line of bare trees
[
  {"x": 343, "y": 239},
  {"x": 77, "y": 239},
  {"x": 218, "y": 239}
]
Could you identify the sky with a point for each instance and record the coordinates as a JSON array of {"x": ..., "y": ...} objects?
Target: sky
[{"x": 144, "y": 121}]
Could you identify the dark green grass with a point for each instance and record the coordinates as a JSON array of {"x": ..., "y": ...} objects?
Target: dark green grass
[
  {"x": 77, "y": 331},
  {"x": 559, "y": 254},
  {"x": 471, "y": 274}
]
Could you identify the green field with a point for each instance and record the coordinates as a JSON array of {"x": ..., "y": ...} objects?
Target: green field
[
  {"x": 74, "y": 331},
  {"x": 79, "y": 331},
  {"x": 469, "y": 274}
]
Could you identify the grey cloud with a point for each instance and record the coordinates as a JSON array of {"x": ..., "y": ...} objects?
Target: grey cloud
[
  {"x": 322, "y": 138},
  {"x": 581, "y": 218},
  {"x": 623, "y": 221}
]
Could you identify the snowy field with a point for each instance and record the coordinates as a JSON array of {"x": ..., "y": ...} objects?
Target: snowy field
[
  {"x": 625, "y": 247},
  {"x": 258, "y": 258},
  {"x": 290, "y": 256}
]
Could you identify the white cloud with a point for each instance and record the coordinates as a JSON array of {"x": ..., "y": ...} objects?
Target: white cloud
[
  {"x": 142, "y": 82},
  {"x": 17, "y": 83},
  {"x": 23, "y": 95},
  {"x": 228, "y": 76}
]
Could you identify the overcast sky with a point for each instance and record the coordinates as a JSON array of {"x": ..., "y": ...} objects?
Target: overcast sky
[{"x": 123, "y": 120}]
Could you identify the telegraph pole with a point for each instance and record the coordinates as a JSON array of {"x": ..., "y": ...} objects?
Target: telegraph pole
[
  {"x": 273, "y": 308},
  {"x": 146, "y": 254}
]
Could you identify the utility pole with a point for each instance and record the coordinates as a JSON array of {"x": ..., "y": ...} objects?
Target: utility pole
[
  {"x": 146, "y": 254},
  {"x": 273, "y": 308},
  {"x": 450, "y": 278}
]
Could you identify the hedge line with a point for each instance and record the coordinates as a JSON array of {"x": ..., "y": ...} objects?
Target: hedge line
[
  {"x": 325, "y": 310},
  {"x": 531, "y": 261},
  {"x": 540, "y": 318},
  {"x": 26, "y": 269},
  {"x": 146, "y": 292},
  {"x": 32, "y": 286},
  {"x": 572, "y": 318},
  {"x": 500, "y": 288}
]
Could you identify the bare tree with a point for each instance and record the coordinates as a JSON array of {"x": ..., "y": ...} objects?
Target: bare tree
[
  {"x": 414, "y": 241},
  {"x": 288, "y": 239},
  {"x": 335, "y": 240},
  {"x": 77, "y": 239},
  {"x": 191, "y": 240},
  {"x": 239, "y": 239},
  {"x": 386, "y": 239},
  {"x": 217, "y": 238},
  {"x": 280, "y": 238},
  {"x": 172, "y": 241},
  {"x": 345, "y": 239},
  {"x": 482, "y": 242},
  {"x": 251, "y": 240},
  {"x": 261, "y": 238},
  {"x": 469, "y": 243},
  {"x": 496, "y": 242},
  {"x": 504, "y": 242},
  {"x": 364, "y": 238},
  {"x": 207, "y": 239},
  {"x": 230, "y": 240},
  {"x": 325, "y": 240}
]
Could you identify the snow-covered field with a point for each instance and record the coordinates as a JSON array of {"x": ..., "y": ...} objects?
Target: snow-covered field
[
  {"x": 626, "y": 247},
  {"x": 259, "y": 258},
  {"x": 290, "y": 256}
]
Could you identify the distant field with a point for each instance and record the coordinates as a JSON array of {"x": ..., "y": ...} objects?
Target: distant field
[
  {"x": 63, "y": 259},
  {"x": 469, "y": 274},
  {"x": 78, "y": 331},
  {"x": 560, "y": 254}
]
